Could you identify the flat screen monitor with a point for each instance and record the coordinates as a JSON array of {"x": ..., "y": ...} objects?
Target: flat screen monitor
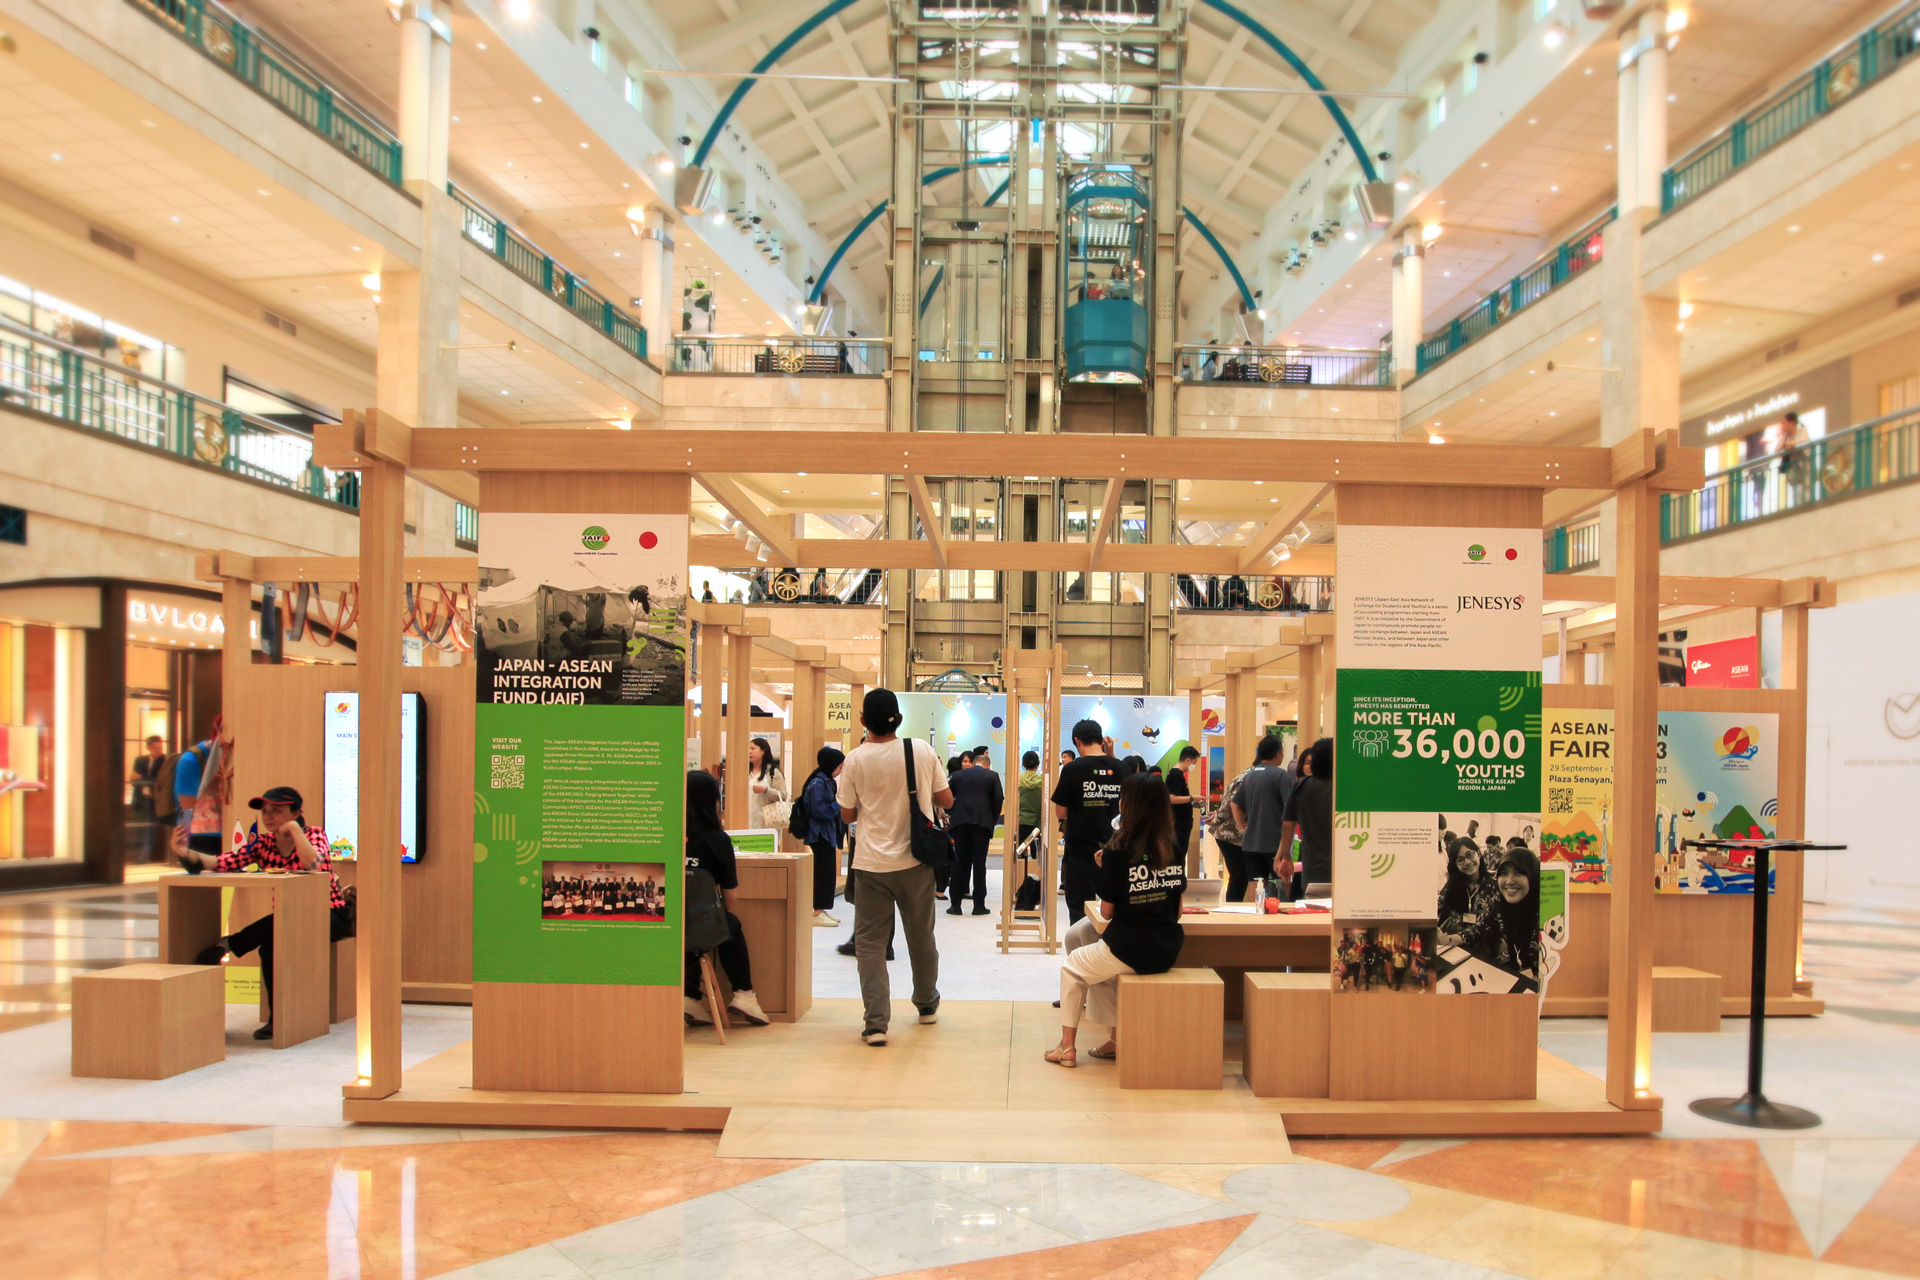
[{"x": 342, "y": 764}]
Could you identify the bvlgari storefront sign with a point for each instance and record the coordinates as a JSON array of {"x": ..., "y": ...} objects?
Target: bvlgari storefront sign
[
  {"x": 169, "y": 618},
  {"x": 1823, "y": 399}
]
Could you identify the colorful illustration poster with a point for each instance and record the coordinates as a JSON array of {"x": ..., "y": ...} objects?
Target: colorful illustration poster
[
  {"x": 1717, "y": 777},
  {"x": 580, "y": 740},
  {"x": 1155, "y": 729},
  {"x": 839, "y": 726},
  {"x": 1438, "y": 753},
  {"x": 1576, "y": 826},
  {"x": 952, "y": 723}
]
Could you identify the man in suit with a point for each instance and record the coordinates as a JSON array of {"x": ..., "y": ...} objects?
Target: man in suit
[{"x": 978, "y": 799}]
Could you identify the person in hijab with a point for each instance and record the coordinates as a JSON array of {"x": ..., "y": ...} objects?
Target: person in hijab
[
  {"x": 820, "y": 805},
  {"x": 710, "y": 849},
  {"x": 1508, "y": 934}
]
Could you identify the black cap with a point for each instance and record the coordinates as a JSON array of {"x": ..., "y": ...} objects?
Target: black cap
[
  {"x": 880, "y": 712},
  {"x": 278, "y": 795}
]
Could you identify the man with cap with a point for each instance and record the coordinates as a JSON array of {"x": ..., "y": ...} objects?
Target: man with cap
[
  {"x": 285, "y": 844},
  {"x": 873, "y": 792}
]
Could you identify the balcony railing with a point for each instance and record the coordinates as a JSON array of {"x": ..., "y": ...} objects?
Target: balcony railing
[
  {"x": 466, "y": 527},
  {"x": 534, "y": 265},
  {"x": 778, "y": 357},
  {"x": 1880, "y": 51},
  {"x": 1571, "y": 548},
  {"x": 1251, "y": 593},
  {"x": 281, "y": 78},
  {"x": 1286, "y": 366},
  {"x": 1873, "y": 455},
  {"x": 766, "y": 586},
  {"x": 77, "y": 386},
  {"x": 1548, "y": 272}
]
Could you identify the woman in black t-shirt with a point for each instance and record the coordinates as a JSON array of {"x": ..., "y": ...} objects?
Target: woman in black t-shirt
[{"x": 1140, "y": 880}]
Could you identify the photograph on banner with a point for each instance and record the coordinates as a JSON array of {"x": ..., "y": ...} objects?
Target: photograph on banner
[
  {"x": 1488, "y": 905},
  {"x": 1719, "y": 779},
  {"x": 582, "y": 610},
  {"x": 954, "y": 723},
  {"x": 601, "y": 892},
  {"x": 1576, "y": 830},
  {"x": 1392, "y": 959},
  {"x": 1438, "y": 599},
  {"x": 1155, "y": 729}
]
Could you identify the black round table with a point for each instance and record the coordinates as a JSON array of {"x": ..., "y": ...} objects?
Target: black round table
[{"x": 1753, "y": 1108}]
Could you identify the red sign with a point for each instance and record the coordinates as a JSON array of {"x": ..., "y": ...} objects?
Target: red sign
[{"x": 1724, "y": 664}]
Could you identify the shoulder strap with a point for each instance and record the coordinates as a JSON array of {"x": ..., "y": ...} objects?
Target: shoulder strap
[{"x": 913, "y": 790}]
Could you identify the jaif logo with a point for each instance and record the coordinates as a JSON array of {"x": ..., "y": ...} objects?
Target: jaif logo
[
  {"x": 1903, "y": 716},
  {"x": 1738, "y": 743},
  {"x": 594, "y": 538},
  {"x": 1476, "y": 553}
]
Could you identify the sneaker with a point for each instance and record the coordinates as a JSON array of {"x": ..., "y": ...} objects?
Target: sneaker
[
  {"x": 264, "y": 1033},
  {"x": 875, "y": 1036},
  {"x": 213, "y": 954},
  {"x": 747, "y": 1005},
  {"x": 822, "y": 920},
  {"x": 929, "y": 1013},
  {"x": 696, "y": 1011},
  {"x": 845, "y": 948},
  {"x": 982, "y": 911},
  {"x": 953, "y": 911}
]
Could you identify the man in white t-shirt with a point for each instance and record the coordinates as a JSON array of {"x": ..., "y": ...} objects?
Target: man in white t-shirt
[{"x": 873, "y": 792}]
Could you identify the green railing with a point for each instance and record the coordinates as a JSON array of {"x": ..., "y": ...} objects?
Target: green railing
[
  {"x": 532, "y": 264},
  {"x": 37, "y": 372},
  {"x": 1571, "y": 548},
  {"x": 1876, "y": 54},
  {"x": 1298, "y": 366},
  {"x": 1548, "y": 272},
  {"x": 280, "y": 77},
  {"x": 1873, "y": 455},
  {"x": 466, "y": 526}
]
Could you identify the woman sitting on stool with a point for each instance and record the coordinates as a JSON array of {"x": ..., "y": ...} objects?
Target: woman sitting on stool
[
  {"x": 1140, "y": 881},
  {"x": 287, "y": 844},
  {"x": 710, "y": 849}
]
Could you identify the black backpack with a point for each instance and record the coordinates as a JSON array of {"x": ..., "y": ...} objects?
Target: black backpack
[
  {"x": 929, "y": 843},
  {"x": 799, "y": 825}
]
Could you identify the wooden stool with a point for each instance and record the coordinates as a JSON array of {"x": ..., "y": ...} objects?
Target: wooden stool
[
  {"x": 1288, "y": 1023},
  {"x": 1172, "y": 1026},
  {"x": 1685, "y": 999},
  {"x": 149, "y": 1021},
  {"x": 710, "y": 983}
]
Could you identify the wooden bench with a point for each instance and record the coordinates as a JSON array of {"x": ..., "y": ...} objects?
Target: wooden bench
[
  {"x": 1685, "y": 999},
  {"x": 1288, "y": 1025},
  {"x": 149, "y": 1021},
  {"x": 1172, "y": 1026}
]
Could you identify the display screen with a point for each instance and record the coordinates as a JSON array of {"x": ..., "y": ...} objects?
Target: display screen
[{"x": 342, "y": 722}]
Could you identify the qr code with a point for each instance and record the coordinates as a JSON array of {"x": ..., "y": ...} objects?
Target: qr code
[
  {"x": 1559, "y": 799},
  {"x": 509, "y": 772}
]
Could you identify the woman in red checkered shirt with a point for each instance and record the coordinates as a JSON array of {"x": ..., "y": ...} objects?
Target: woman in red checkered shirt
[{"x": 282, "y": 842}]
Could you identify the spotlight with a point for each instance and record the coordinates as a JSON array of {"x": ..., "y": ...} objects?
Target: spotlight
[{"x": 1554, "y": 36}]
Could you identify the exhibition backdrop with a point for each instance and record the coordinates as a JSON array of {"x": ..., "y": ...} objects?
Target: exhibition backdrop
[
  {"x": 954, "y": 722},
  {"x": 1155, "y": 729},
  {"x": 580, "y": 740},
  {"x": 1438, "y": 751},
  {"x": 1718, "y": 775}
]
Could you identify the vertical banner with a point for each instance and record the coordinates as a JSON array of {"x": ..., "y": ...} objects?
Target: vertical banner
[
  {"x": 1437, "y": 777},
  {"x": 580, "y": 742},
  {"x": 1576, "y": 830},
  {"x": 838, "y": 726}
]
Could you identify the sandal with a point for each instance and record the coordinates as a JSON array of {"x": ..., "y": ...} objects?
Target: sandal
[
  {"x": 1060, "y": 1056},
  {"x": 1106, "y": 1052}
]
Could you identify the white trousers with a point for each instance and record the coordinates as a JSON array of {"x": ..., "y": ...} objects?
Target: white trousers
[{"x": 1090, "y": 979}]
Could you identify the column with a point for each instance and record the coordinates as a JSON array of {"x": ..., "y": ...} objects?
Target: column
[
  {"x": 659, "y": 310},
  {"x": 1651, "y": 151},
  {"x": 713, "y": 660},
  {"x": 1409, "y": 301},
  {"x": 416, "y": 370},
  {"x": 1626, "y": 131},
  {"x": 1308, "y": 716}
]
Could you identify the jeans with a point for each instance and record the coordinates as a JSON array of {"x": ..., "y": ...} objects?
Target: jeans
[
  {"x": 879, "y": 894},
  {"x": 260, "y": 934},
  {"x": 1236, "y": 863},
  {"x": 826, "y": 863},
  {"x": 1079, "y": 879},
  {"x": 732, "y": 955},
  {"x": 969, "y": 860}
]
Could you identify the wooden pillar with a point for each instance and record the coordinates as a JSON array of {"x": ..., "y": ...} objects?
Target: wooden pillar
[
  {"x": 739, "y": 716},
  {"x": 1574, "y": 669},
  {"x": 1238, "y": 732},
  {"x": 1010, "y": 815},
  {"x": 1636, "y": 732},
  {"x": 1325, "y": 694},
  {"x": 376, "y": 1027},
  {"x": 713, "y": 661},
  {"x": 1308, "y": 715},
  {"x": 1790, "y": 871}
]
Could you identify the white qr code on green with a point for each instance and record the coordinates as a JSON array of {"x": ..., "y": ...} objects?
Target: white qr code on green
[{"x": 509, "y": 772}]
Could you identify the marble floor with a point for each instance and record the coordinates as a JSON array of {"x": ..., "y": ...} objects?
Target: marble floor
[{"x": 243, "y": 1169}]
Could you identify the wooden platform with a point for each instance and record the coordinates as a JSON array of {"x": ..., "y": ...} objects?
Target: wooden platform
[
  {"x": 1793, "y": 1006},
  {"x": 982, "y": 1056}
]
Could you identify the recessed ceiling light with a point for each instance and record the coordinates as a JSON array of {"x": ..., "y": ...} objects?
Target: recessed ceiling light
[
  {"x": 1483, "y": 164},
  {"x": 786, "y": 491},
  {"x": 58, "y": 157},
  {"x": 152, "y": 125},
  {"x": 1553, "y": 188},
  {"x": 1795, "y": 227},
  {"x": 616, "y": 253},
  {"x": 1533, "y": 120},
  {"x": 509, "y": 164},
  {"x": 1553, "y": 413},
  {"x": 1879, "y": 257},
  {"x": 263, "y": 191},
  {"x": 456, "y": 119},
  {"x": 537, "y": 98},
  {"x": 1273, "y": 499},
  {"x": 1673, "y": 97},
  {"x": 482, "y": 46},
  {"x": 174, "y": 218},
  {"x": 503, "y": 392},
  {"x": 583, "y": 146}
]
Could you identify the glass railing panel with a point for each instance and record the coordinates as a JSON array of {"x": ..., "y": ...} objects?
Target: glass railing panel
[
  {"x": 1252, "y": 593},
  {"x": 1297, "y": 366},
  {"x": 778, "y": 357}
]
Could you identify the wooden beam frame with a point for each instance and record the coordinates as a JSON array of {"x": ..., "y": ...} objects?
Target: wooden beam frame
[
  {"x": 1102, "y": 531},
  {"x": 214, "y": 566},
  {"x": 748, "y": 512},
  {"x": 1277, "y": 527},
  {"x": 929, "y": 520}
]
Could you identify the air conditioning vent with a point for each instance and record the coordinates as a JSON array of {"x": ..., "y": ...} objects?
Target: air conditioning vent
[
  {"x": 281, "y": 323},
  {"x": 112, "y": 244},
  {"x": 1786, "y": 348},
  {"x": 1907, "y": 298}
]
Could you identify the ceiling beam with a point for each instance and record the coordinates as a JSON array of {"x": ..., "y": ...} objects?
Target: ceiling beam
[
  {"x": 734, "y": 32},
  {"x": 929, "y": 521},
  {"x": 1306, "y": 30},
  {"x": 747, "y": 512},
  {"x": 1109, "y": 509},
  {"x": 1277, "y": 527}
]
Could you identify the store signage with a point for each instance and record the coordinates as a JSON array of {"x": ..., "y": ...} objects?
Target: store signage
[
  {"x": 1825, "y": 392},
  {"x": 1724, "y": 664},
  {"x": 580, "y": 749},
  {"x": 177, "y": 618}
]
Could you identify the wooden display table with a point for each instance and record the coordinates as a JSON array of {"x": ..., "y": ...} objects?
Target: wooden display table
[
  {"x": 302, "y": 968},
  {"x": 1235, "y": 943},
  {"x": 775, "y": 906},
  {"x": 148, "y": 1021}
]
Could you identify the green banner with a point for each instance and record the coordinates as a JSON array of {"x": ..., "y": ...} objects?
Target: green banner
[
  {"x": 577, "y": 850},
  {"x": 1444, "y": 741}
]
